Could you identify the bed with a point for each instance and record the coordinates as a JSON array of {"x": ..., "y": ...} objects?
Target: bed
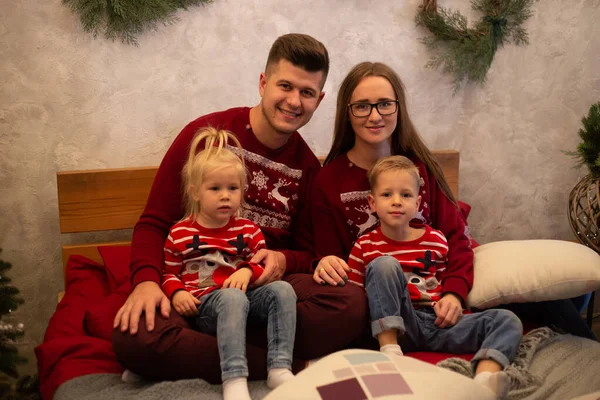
[{"x": 76, "y": 359}]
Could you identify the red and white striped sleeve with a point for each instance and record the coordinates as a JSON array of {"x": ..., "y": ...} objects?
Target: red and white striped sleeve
[
  {"x": 356, "y": 262},
  {"x": 254, "y": 241},
  {"x": 171, "y": 276}
]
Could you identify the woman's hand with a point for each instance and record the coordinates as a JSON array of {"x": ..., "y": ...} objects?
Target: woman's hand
[
  {"x": 185, "y": 303},
  {"x": 239, "y": 279},
  {"x": 331, "y": 270}
]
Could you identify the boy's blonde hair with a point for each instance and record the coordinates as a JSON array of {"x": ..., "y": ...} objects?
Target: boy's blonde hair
[
  {"x": 393, "y": 163},
  {"x": 213, "y": 157}
]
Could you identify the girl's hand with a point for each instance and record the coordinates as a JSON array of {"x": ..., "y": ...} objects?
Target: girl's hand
[
  {"x": 239, "y": 279},
  {"x": 185, "y": 303},
  {"x": 331, "y": 270}
]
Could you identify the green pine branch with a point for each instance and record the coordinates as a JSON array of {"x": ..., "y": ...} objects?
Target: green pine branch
[
  {"x": 467, "y": 53},
  {"x": 588, "y": 151},
  {"x": 127, "y": 19}
]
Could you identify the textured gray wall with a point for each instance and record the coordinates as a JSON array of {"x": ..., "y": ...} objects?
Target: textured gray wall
[{"x": 68, "y": 101}]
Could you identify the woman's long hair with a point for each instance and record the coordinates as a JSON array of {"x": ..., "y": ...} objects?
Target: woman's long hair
[{"x": 404, "y": 140}]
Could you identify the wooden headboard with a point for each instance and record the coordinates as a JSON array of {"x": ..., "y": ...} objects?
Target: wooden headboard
[{"x": 109, "y": 199}]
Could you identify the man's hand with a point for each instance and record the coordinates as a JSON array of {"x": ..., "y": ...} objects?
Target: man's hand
[
  {"x": 239, "y": 279},
  {"x": 332, "y": 270},
  {"x": 448, "y": 310},
  {"x": 274, "y": 265},
  {"x": 145, "y": 298},
  {"x": 185, "y": 303}
]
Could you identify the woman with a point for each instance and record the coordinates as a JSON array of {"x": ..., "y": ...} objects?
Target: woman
[{"x": 371, "y": 122}]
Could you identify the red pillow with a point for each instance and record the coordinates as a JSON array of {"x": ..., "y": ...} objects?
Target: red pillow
[
  {"x": 116, "y": 261},
  {"x": 98, "y": 320},
  {"x": 67, "y": 351},
  {"x": 85, "y": 278}
]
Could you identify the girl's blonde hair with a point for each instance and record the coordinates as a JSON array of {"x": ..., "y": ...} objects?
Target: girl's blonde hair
[
  {"x": 393, "y": 163},
  {"x": 213, "y": 157}
]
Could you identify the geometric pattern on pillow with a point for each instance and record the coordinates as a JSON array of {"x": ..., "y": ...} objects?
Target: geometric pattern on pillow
[
  {"x": 521, "y": 271},
  {"x": 365, "y": 374}
]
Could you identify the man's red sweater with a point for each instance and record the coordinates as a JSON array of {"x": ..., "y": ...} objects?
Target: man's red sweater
[{"x": 277, "y": 198}]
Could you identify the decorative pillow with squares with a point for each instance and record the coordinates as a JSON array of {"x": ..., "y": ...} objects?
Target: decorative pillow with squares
[{"x": 365, "y": 374}]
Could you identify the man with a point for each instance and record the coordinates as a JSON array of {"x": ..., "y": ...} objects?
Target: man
[{"x": 281, "y": 171}]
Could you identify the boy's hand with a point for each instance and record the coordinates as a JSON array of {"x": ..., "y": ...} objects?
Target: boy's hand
[
  {"x": 185, "y": 303},
  {"x": 239, "y": 279},
  {"x": 448, "y": 310}
]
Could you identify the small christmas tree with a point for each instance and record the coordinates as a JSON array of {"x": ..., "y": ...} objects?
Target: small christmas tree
[
  {"x": 588, "y": 151},
  {"x": 26, "y": 387}
]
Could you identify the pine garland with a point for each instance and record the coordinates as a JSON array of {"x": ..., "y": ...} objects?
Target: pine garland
[
  {"x": 588, "y": 151},
  {"x": 465, "y": 52},
  {"x": 126, "y": 19}
]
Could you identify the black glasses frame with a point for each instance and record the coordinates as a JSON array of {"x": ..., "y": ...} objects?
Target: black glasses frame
[{"x": 373, "y": 105}]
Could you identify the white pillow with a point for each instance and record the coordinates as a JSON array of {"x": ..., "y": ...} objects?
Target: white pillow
[
  {"x": 365, "y": 374},
  {"x": 520, "y": 271}
]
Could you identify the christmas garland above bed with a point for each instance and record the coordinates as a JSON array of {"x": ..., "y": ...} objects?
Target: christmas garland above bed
[
  {"x": 467, "y": 53},
  {"x": 126, "y": 19}
]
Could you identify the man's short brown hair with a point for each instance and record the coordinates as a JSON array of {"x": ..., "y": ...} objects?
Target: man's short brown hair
[{"x": 302, "y": 51}]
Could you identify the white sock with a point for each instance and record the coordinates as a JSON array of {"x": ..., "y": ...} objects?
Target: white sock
[
  {"x": 278, "y": 376},
  {"x": 497, "y": 382},
  {"x": 392, "y": 349},
  {"x": 130, "y": 377},
  {"x": 236, "y": 389}
]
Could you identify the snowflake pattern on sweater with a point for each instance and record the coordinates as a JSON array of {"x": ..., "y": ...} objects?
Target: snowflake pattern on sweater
[{"x": 273, "y": 193}]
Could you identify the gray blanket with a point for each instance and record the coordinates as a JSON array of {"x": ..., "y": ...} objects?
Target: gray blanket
[
  {"x": 548, "y": 366},
  {"x": 110, "y": 386}
]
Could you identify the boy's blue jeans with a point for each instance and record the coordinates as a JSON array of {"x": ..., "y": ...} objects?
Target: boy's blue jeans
[
  {"x": 225, "y": 312},
  {"x": 490, "y": 334}
]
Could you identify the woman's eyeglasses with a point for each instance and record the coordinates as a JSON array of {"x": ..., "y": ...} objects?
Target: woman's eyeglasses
[{"x": 386, "y": 107}]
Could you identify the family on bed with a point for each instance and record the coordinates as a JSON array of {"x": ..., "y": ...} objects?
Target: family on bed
[{"x": 243, "y": 230}]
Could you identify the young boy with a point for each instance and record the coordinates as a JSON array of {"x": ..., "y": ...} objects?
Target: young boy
[{"x": 401, "y": 267}]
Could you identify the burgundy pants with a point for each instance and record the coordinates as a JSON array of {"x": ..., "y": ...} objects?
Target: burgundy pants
[{"x": 328, "y": 319}]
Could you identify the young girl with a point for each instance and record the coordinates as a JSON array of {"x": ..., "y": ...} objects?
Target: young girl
[
  {"x": 207, "y": 269},
  {"x": 401, "y": 266}
]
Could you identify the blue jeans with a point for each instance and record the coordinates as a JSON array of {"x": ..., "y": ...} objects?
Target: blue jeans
[
  {"x": 225, "y": 312},
  {"x": 491, "y": 334}
]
